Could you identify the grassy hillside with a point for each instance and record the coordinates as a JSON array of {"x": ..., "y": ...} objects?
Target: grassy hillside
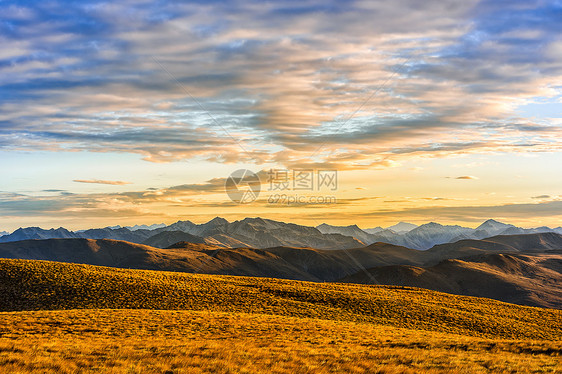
[
  {"x": 524, "y": 243},
  {"x": 278, "y": 262},
  {"x": 530, "y": 279},
  {"x": 168, "y": 238},
  {"x": 69, "y": 318},
  {"x": 527, "y": 278},
  {"x": 162, "y": 341},
  {"x": 40, "y": 285}
]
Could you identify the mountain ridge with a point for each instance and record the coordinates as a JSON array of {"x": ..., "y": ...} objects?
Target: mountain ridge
[
  {"x": 432, "y": 233},
  {"x": 262, "y": 233}
]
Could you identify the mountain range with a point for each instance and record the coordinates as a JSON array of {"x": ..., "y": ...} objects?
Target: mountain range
[
  {"x": 266, "y": 233},
  {"x": 522, "y": 269},
  {"x": 249, "y": 232},
  {"x": 430, "y": 234}
]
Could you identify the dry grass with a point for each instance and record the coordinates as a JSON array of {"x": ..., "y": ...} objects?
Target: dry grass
[
  {"x": 149, "y": 341},
  {"x": 41, "y": 285},
  {"x": 110, "y": 320}
]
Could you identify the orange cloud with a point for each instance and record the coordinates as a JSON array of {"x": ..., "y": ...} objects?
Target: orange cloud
[{"x": 98, "y": 181}]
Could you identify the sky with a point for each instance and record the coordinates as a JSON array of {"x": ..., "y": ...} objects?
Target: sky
[{"x": 137, "y": 112}]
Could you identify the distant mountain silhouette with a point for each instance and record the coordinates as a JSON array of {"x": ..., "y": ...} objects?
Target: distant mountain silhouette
[
  {"x": 265, "y": 233},
  {"x": 430, "y": 234},
  {"x": 249, "y": 232}
]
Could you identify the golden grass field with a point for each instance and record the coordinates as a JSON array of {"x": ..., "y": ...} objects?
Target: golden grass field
[{"x": 67, "y": 318}]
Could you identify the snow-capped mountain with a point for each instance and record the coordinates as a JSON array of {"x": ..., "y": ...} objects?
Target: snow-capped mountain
[
  {"x": 430, "y": 234},
  {"x": 490, "y": 228},
  {"x": 185, "y": 226},
  {"x": 402, "y": 227},
  {"x": 373, "y": 230},
  {"x": 518, "y": 230},
  {"x": 411, "y": 236},
  {"x": 145, "y": 227}
]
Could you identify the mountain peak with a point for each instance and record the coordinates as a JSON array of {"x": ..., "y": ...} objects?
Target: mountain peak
[
  {"x": 217, "y": 221},
  {"x": 153, "y": 226},
  {"x": 431, "y": 225},
  {"x": 183, "y": 223},
  {"x": 328, "y": 226},
  {"x": 493, "y": 224},
  {"x": 254, "y": 219},
  {"x": 402, "y": 227}
]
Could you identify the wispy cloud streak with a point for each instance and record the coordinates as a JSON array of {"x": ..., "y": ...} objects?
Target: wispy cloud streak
[{"x": 99, "y": 181}]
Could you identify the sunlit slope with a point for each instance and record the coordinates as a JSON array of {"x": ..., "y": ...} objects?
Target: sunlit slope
[
  {"x": 40, "y": 285},
  {"x": 524, "y": 279},
  {"x": 180, "y": 342}
]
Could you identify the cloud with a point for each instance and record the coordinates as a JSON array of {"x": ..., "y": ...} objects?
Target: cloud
[
  {"x": 281, "y": 81},
  {"x": 541, "y": 197},
  {"x": 98, "y": 181},
  {"x": 466, "y": 177},
  {"x": 211, "y": 186},
  {"x": 474, "y": 213},
  {"x": 194, "y": 200}
]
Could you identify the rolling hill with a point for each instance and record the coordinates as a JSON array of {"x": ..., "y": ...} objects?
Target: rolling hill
[
  {"x": 279, "y": 262},
  {"x": 468, "y": 267},
  {"x": 520, "y": 279},
  {"x": 522, "y": 269},
  {"x": 166, "y": 239},
  {"x": 44, "y": 285},
  {"x": 497, "y": 244},
  {"x": 67, "y": 318}
]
